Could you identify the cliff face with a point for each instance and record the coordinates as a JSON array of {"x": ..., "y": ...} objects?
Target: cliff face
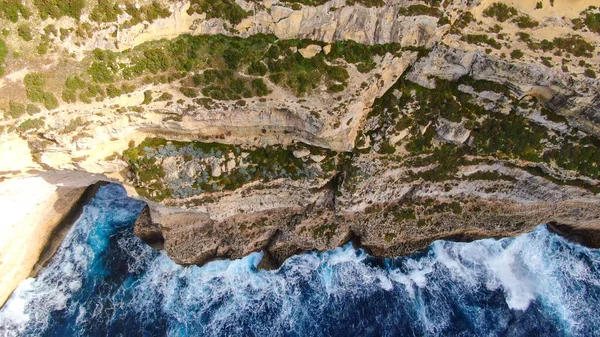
[
  {"x": 37, "y": 211},
  {"x": 390, "y": 124}
]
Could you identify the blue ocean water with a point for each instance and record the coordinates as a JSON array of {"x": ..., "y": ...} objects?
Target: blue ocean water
[{"x": 103, "y": 281}]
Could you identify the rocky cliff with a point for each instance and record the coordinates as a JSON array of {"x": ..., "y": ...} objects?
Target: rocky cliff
[{"x": 299, "y": 125}]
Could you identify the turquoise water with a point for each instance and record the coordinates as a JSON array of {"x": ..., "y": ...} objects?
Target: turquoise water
[{"x": 103, "y": 281}]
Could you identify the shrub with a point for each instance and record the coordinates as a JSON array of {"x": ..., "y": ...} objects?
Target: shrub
[
  {"x": 516, "y": 54},
  {"x": 539, "y": 5},
  {"x": 69, "y": 96},
  {"x": 24, "y": 32},
  {"x": 105, "y": 11},
  {"x": 58, "y": 8},
  {"x": 524, "y": 21},
  {"x": 50, "y": 101},
  {"x": 260, "y": 87},
  {"x": 113, "y": 91},
  {"x": 481, "y": 38},
  {"x": 15, "y": 110},
  {"x": 574, "y": 44},
  {"x": 257, "y": 68},
  {"x": 10, "y": 10},
  {"x": 34, "y": 80},
  {"x": 223, "y": 9},
  {"x": 500, "y": 11},
  {"x": 147, "y": 97},
  {"x": 3, "y": 53},
  {"x": 31, "y": 124},
  {"x": 32, "y": 109},
  {"x": 188, "y": 92},
  {"x": 589, "y": 73},
  {"x": 415, "y": 10}
]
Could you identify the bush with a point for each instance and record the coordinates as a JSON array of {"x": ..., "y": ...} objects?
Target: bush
[
  {"x": 260, "y": 87},
  {"x": 10, "y": 10},
  {"x": 50, "y": 101},
  {"x": 59, "y": 8},
  {"x": 574, "y": 44},
  {"x": 500, "y": 11},
  {"x": 481, "y": 38},
  {"x": 415, "y": 10},
  {"x": 113, "y": 91},
  {"x": 3, "y": 53},
  {"x": 15, "y": 110},
  {"x": 223, "y": 9},
  {"x": 105, "y": 11},
  {"x": 516, "y": 54},
  {"x": 31, "y": 124},
  {"x": 24, "y": 32},
  {"x": 524, "y": 21},
  {"x": 589, "y": 73},
  {"x": 34, "y": 80},
  {"x": 32, "y": 109},
  {"x": 188, "y": 92},
  {"x": 69, "y": 96},
  {"x": 147, "y": 97}
]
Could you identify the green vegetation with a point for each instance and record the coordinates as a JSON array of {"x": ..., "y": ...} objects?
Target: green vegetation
[
  {"x": 15, "y": 110},
  {"x": 589, "y": 73},
  {"x": 575, "y": 45},
  {"x": 216, "y": 64},
  {"x": 516, "y": 54},
  {"x": 223, "y": 9},
  {"x": 260, "y": 164},
  {"x": 525, "y": 21},
  {"x": 74, "y": 125},
  {"x": 10, "y": 10},
  {"x": 148, "y": 12},
  {"x": 24, "y": 32},
  {"x": 482, "y": 39},
  {"x": 31, "y": 124},
  {"x": 106, "y": 11},
  {"x": 500, "y": 11},
  {"x": 3, "y": 53},
  {"x": 539, "y": 5},
  {"x": 414, "y": 10},
  {"x": 58, "y": 8},
  {"x": 34, "y": 85},
  {"x": 591, "y": 20}
]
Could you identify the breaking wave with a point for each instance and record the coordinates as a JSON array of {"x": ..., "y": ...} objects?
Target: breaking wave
[{"x": 103, "y": 281}]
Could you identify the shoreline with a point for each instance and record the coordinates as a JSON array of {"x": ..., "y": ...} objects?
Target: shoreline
[{"x": 66, "y": 223}]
